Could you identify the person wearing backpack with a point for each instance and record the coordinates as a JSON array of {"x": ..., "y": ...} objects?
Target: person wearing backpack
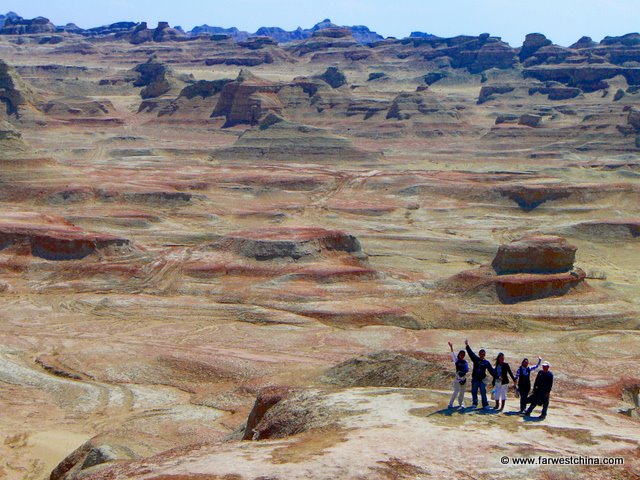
[{"x": 460, "y": 381}]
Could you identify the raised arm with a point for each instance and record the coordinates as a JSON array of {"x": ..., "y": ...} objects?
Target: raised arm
[
  {"x": 531, "y": 369},
  {"x": 453, "y": 355},
  {"x": 473, "y": 356}
]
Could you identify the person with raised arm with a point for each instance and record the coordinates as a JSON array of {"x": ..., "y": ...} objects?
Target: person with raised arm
[
  {"x": 523, "y": 381},
  {"x": 460, "y": 381},
  {"x": 479, "y": 375}
]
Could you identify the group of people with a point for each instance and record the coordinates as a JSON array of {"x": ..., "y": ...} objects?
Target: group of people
[{"x": 500, "y": 373}]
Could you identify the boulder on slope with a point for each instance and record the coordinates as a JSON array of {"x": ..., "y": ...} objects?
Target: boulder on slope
[{"x": 535, "y": 254}]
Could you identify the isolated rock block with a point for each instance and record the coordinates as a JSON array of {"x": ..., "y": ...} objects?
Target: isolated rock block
[{"x": 535, "y": 254}]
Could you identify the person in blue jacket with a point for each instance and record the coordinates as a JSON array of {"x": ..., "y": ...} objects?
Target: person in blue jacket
[{"x": 479, "y": 377}]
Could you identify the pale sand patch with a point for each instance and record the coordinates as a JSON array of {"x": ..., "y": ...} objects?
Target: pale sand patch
[{"x": 52, "y": 446}]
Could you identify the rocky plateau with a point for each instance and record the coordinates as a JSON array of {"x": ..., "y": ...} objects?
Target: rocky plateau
[{"x": 233, "y": 255}]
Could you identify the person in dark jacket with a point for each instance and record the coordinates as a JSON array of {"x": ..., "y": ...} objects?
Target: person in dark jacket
[
  {"x": 460, "y": 382},
  {"x": 541, "y": 391},
  {"x": 501, "y": 381},
  {"x": 479, "y": 375},
  {"x": 523, "y": 381}
]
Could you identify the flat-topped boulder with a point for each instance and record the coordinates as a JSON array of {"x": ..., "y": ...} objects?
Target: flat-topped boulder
[
  {"x": 270, "y": 243},
  {"x": 51, "y": 237},
  {"x": 543, "y": 254}
]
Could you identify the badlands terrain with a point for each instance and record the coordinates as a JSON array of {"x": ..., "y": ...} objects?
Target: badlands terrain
[{"x": 236, "y": 256}]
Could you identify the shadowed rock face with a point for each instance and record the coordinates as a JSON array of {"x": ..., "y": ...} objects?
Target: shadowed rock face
[
  {"x": 532, "y": 43},
  {"x": 203, "y": 88},
  {"x": 528, "y": 197},
  {"x": 95, "y": 454},
  {"x": 20, "y": 26},
  {"x": 535, "y": 254},
  {"x": 280, "y": 412},
  {"x": 267, "y": 398},
  {"x": 526, "y": 287},
  {"x": 586, "y": 77},
  {"x": 14, "y": 94},
  {"x": 52, "y": 238},
  {"x": 288, "y": 243},
  {"x": 334, "y": 77},
  {"x": 488, "y": 92},
  {"x": 475, "y": 54},
  {"x": 247, "y": 100},
  {"x": 153, "y": 76}
]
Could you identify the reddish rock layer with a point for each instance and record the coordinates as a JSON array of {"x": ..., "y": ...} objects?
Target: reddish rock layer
[
  {"x": 52, "y": 238},
  {"x": 525, "y": 286},
  {"x": 281, "y": 242},
  {"x": 535, "y": 254}
]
